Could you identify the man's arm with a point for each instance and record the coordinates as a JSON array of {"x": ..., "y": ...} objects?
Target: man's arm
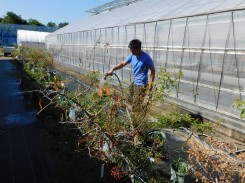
[
  {"x": 118, "y": 66},
  {"x": 152, "y": 78}
]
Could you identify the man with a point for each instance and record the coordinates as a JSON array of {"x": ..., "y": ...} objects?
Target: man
[{"x": 141, "y": 63}]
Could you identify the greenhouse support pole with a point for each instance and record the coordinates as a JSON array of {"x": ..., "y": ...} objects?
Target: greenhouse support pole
[
  {"x": 96, "y": 42},
  {"x": 224, "y": 61},
  {"x": 144, "y": 39},
  {"x": 167, "y": 53},
  {"x": 211, "y": 60},
  {"x": 73, "y": 51},
  {"x": 126, "y": 40},
  {"x": 104, "y": 52},
  {"x": 182, "y": 55},
  {"x": 155, "y": 43},
  {"x": 201, "y": 59},
  {"x": 117, "y": 44},
  {"x": 110, "y": 50},
  {"x": 236, "y": 59},
  {"x": 100, "y": 53}
]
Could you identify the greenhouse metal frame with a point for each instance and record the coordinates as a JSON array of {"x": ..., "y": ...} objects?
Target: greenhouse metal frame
[
  {"x": 207, "y": 44},
  {"x": 110, "y": 6}
]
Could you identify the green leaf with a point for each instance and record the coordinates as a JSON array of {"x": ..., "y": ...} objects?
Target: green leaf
[{"x": 242, "y": 114}]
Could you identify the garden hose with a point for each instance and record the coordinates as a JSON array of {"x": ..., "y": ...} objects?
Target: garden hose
[{"x": 118, "y": 81}]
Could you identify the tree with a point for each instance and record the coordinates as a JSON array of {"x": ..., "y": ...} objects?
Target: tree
[
  {"x": 63, "y": 24},
  {"x": 12, "y": 18},
  {"x": 51, "y": 24},
  {"x": 35, "y": 22},
  {"x": 1, "y": 19}
]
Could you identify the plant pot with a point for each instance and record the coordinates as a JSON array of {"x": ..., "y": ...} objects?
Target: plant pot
[
  {"x": 160, "y": 146},
  {"x": 178, "y": 177}
]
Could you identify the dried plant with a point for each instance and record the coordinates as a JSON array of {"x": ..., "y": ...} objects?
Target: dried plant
[{"x": 213, "y": 162}]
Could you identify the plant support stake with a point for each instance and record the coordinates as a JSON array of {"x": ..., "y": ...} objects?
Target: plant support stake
[{"x": 102, "y": 170}]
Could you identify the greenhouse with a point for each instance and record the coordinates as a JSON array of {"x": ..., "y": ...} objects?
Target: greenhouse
[
  {"x": 203, "y": 38},
  {"x": 34, "y": 39},
  {"x": 8, "y": 32}
]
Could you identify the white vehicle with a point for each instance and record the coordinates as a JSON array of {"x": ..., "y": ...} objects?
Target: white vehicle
[{"x": 8, "y": 50}]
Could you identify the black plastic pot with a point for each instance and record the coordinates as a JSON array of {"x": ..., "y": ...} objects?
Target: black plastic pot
[{"x": 178, "y": 177}]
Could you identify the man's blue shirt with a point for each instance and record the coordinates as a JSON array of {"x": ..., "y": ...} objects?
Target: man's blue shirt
[{"x": 140, "y": 65}]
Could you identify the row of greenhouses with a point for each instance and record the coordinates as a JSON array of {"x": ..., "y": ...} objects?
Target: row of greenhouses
[
  {"x": 203, "y": 38},
  {"x": 34, "y": 39},
  {"x": 8, "y": 32}
]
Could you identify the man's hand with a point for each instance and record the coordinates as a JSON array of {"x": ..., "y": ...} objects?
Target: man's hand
[
  {"x": 152, "y": 78},
  {"x": 150, "y": 86},
  {"x": 109, "y": 73},
  {"x": 118, "y": 66}
]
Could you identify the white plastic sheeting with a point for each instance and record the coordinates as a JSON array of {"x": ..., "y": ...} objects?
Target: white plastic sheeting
[
  {"x": 204, "y": 38},
  {"x": 31, "y": 38},
  {"x": 150, "y": 10}
]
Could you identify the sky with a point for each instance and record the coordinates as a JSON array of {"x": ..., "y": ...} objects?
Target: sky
[{"x": 49, "y": 10}]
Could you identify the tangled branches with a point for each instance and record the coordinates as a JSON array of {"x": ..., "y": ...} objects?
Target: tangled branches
[{"x": 109, "y": 134}]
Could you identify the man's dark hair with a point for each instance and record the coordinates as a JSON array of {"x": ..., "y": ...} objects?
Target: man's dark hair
[{"x": 135, "y": 44}]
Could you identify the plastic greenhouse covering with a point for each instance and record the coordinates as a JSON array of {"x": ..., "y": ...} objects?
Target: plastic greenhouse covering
[
  {"x": 206, "y": 39},
  {"x": 34, "y": 39},
  {"x": 8, "y": 32}
]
